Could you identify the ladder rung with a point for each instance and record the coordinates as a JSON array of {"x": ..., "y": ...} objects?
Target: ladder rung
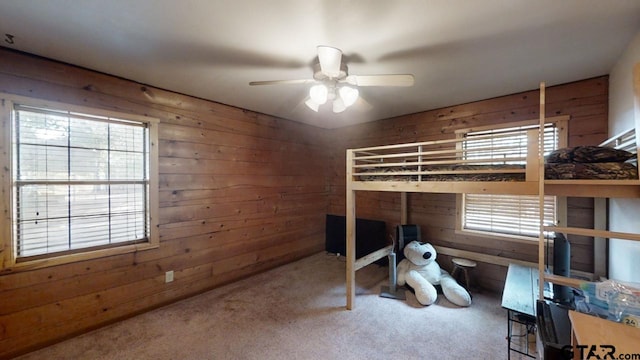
[{"x": 563, "y": 280}]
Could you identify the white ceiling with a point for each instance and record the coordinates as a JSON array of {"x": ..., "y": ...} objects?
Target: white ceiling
[{"x": 458, "y": 50}]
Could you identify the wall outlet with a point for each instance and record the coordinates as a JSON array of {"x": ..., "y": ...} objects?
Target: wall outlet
[{"x": 168, "y": 276}]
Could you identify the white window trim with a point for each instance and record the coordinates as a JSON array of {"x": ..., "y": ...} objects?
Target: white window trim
[
  {"x": 562, "y": 123},
  {"x": 9, "y": 261}
]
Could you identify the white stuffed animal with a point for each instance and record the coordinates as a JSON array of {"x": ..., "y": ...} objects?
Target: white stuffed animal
[{"x": 420, "y": 270}]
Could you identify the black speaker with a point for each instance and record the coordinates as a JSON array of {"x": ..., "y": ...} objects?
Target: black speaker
[
  {"x": 405, "y": 234},
  {"x": 561, "y": 266}
]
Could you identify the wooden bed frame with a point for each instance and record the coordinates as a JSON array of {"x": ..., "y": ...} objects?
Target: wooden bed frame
[{"x": 405, "y": 168}]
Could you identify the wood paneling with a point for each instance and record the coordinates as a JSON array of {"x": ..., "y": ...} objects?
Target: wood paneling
[
  {"x": 242, "y": 192},
  {"x": 584, "y": 101},
  {"x": 239, "y": 193}
]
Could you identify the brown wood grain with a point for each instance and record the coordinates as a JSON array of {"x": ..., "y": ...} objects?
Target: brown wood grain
[
  {"x": 242, "y": 192},
  {"x": 239, "y": 193}
]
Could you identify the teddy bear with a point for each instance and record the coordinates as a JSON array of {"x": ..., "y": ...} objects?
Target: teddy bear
[{"x": 420, "y": 270}]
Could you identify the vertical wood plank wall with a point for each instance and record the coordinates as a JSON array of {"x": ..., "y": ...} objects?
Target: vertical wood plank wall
[
  {"x": 585, "y": 101},
  {"x": 240, "y": 192}
]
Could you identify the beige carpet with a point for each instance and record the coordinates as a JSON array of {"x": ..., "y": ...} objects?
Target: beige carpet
[{"x": 297, "y": 312}]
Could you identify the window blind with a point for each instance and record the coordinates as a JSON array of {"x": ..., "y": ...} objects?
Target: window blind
[
  {"x": 507, "y": 214},
  {"x": 80, "y": 181}
]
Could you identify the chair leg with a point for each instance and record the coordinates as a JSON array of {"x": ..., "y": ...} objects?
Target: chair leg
[
  {"x": 455, "y": 272},
  {"x": 466, "y": 279}
]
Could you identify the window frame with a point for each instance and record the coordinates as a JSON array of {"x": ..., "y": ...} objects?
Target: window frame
[
  {"x": 561, "y": 123},
  {"x": 8, "y": 252}
]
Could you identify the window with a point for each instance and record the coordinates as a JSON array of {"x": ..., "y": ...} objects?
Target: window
[
  {"x": 511, "y": 215},
  {"x": 83, "y": 181}
]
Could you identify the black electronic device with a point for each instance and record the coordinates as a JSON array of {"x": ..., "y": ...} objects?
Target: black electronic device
[
  {"x": 370, "y": 236},
  {"x": 405, "y": 234},
  {"x": 562, "y": 266},
  {"x": 553, "y": 330}
]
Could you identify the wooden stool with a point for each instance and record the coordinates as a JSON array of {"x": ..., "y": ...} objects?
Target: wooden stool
[{"x": 465, "y": 265}]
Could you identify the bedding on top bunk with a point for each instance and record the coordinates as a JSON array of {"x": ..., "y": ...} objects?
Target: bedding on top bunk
[
  {"x": 590, "y": 171},
  {"x": 396, "y": 174},
  {"x": 575, "y": 163},
  {"x": 589, "y": 154},
  {"x": 590, "y": 163}
]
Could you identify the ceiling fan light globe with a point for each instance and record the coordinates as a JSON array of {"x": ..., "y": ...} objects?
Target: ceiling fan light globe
[
  {"x": 312, "y": 105},
  {"x": 338, "y": 105},
  {"x": 349, "y": 95},
  {"x": 318, "y": 93}
]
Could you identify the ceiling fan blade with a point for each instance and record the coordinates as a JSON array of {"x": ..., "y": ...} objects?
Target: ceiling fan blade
[
  {"x": 380, "y": 80},
  {"x": 283, "y": 82},
  {"x": 330, "y": 59}
]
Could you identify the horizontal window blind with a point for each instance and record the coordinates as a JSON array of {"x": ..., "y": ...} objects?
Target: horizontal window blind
[
  {"x": 507, "y": 142},
  {"x": 80, "y": 181},
  {"x": 507, "y": 214}
]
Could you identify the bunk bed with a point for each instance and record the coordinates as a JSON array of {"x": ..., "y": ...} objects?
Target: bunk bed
[{"x": 452, "y": 166}]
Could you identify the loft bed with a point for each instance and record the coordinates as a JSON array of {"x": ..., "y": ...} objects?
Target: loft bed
[
  {"x": 457, "y": 166},
  {"x": 451, "y": 166}
]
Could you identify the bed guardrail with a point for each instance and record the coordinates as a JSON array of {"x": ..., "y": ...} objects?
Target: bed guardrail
[{"x": 445, "y": 160}]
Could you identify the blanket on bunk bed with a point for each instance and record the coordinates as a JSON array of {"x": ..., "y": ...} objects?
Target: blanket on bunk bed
[
  {"x": 444, "y": 173},
  {"x": 580, "y": 162},
  {"x": 590, "y": 163}
]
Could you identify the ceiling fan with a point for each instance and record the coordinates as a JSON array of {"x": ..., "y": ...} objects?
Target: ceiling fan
[{"x": 332, "y": 82}]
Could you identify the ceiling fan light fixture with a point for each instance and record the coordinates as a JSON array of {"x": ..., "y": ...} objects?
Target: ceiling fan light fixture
[
  {"x": 349, "y": 95},
  {"x": 332, "y": 82},
  {"x": 338, "y": 105},
  {"x": 319, "y": 93}
]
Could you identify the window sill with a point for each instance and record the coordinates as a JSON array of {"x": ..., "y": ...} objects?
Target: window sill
[{"x": 26, "y": 265}]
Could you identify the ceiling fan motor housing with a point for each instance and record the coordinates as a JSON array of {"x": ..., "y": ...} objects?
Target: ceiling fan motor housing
[{"x": 320, "y": 76}]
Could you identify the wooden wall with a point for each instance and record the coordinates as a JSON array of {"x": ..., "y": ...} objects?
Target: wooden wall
[
  {"x": 239, "y": 192},
  {"x": 585, "y": 101},
  {"x": 242, "y": 192}
]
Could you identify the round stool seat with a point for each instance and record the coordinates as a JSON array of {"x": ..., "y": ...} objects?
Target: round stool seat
[{"x": 464, "y": 262}]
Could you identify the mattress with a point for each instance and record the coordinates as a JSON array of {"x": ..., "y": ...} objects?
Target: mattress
[{"x": 553, "y": 171}]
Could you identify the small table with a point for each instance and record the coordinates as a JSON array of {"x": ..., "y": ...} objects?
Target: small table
[{"x": 519, "y": 298}]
